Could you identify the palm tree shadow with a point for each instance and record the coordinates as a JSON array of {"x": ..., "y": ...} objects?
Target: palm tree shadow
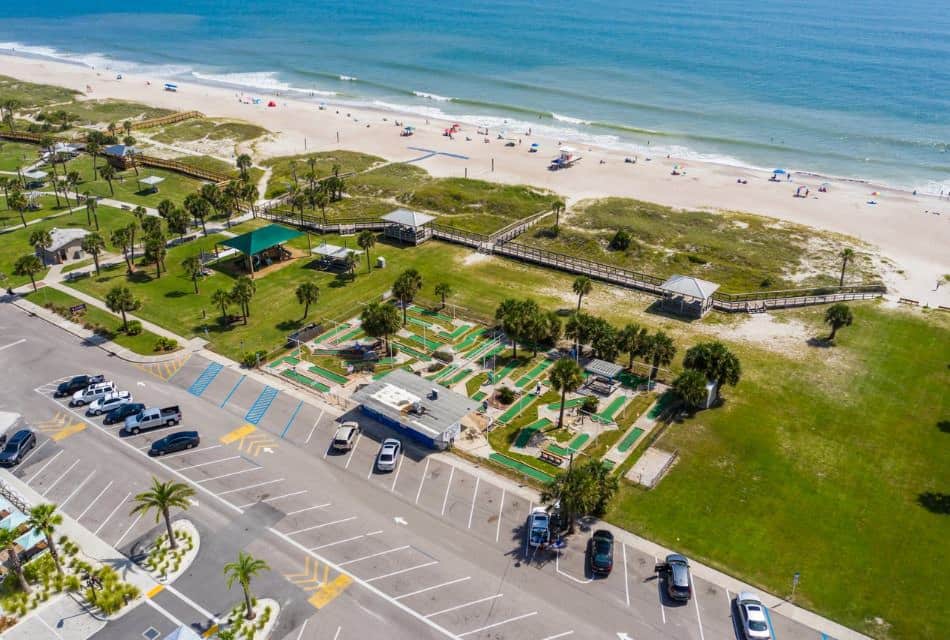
[
  {"x": 820, "y": 342},
  {"x": 935, "y": 502},
  {"x": 944, "y": 425}
]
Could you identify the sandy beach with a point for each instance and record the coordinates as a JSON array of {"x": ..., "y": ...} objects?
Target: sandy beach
[{"x": 904, "y": 228}]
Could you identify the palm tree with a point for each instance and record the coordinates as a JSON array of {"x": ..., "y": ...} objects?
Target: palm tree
[
  {"x": 165, "y": 207},
  {"x": 242, "y": 293},
  {"x": 93, "y": 244},
  {"x": 323, "y": 200},
  {"x": 380, "y": 320},
  {"x": 838, "y": 315},
  {"x": 111, "y": 128},
  {"x": 366, "y": 241},
  {"x": 10, "y": 106},
  {"x": 244, "y": 163},
  {"x": 846, "y": 256},
  {"x": 566, "y": 376},
  {"x": 582, "y": 286},
  {"x": 407, "y": 285},
  {"x": 28, "y": 265},
  {"x": 120, "y": 300},
  {"x": 715, "y": 362},
  {"x": 632, "y": 341},
  {"x": 45, "y": 519},
  {"x": 161, "y": 497},
  {"x": 107, "y": 173},
  {"x": 662, "y": 350},
  {"x": 155, "y": 251},
  {"x": 307, "y": 294},
  {"x": 558, "y": 207},
  {"x": 212, "y": 195},
  {"x": 127, "y": 127},
  {"x": 199, "y": 208},
  {"x": 575, "y": 492},
  {"x": 178, "y": 222},
  {"x": 222, "y": 299},
  {"x": 120, "y": 238},
  {"x": 18, "y": 201},
  {"x": 41, "y": 238},
  {"x": 192, "y": 268},
  {"x": 242, "y": 571},
  {"x": 444, "y": 290},
  {"x": 690, "y": 387},
  {"x": 5, "y": 184},
  {"x": 73, "y": 179},
  {"x": 93, "y": 148},
  {"x": 8, "y": 543}
]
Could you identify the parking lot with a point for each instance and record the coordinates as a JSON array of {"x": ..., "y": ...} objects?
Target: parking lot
[{"x": 435, "y": 548}]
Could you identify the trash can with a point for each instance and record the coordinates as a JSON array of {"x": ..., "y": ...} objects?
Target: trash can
[{"x": 380, "y": 262}]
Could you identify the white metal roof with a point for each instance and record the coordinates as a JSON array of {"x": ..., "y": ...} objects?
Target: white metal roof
[
  {"x": 62, "y": 237},
  {"x": 151, "y": 180},
  {"x": 35, "y": 175},
  {"x": 333, "y": 251},
  {"x": 408, "y": 218},
  {"x": 690, "y": 286}
]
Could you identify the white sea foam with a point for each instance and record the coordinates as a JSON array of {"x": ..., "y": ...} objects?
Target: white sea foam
[
  {"x": 349, "y": 78},
  {"x": 261, "y": 80},
  {"x": 568, "y": 119},
  {"x": 96, "y": 60},
  {"x": 432, "y": 96}
]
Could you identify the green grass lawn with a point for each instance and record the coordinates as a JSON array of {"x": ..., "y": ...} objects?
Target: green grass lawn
[
  {"x": 282, "y": 175},
  {"x": 17, "y": 154},
  {"x": 823, "y": 465},
  {"x": 207, "y": 128},
  {"x": 110, "y": 325},
  {"x": 14, "y": 244},
  {"x": 741, "y": 252},
  {"x": 11, "y": 217},
  {"x": 93, "y": 112},
  {"x": 389, "y": 181},
  {"x": 214, "y": 164},
  {"x": 125, "y": 188},
  {"x": 31, "y": 95}
]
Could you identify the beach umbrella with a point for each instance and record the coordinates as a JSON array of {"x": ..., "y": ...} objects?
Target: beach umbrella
[
  {"x": 875, "y": 193},
  {"x": 778, "y": 171}
]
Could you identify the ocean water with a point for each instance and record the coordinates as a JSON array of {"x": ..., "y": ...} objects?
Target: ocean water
[{"x": 854, "y": 88}]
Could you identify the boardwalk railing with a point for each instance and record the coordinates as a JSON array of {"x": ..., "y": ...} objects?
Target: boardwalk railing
[
  {"x": 23, "y": 136},
  {"x": 171, "y": 118},
  {"x": 343, "y": 226},
  {"x": 181, "y": 167},
  {"x": 516, "y": 228},
  {"x": 459, "y": 236},
  {"x": 784, "y": 300}
]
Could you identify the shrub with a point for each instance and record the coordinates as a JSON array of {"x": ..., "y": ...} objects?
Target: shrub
[
  {"x": 134, "y": 328},
  {"x": 435, "y": 366},
  {"x": 620, "y": 241},
  {"x": 250, "y": 360},
  {"x": 506, "y": 395},
  {"x": 444, "y": 356},
  {"x": 166, "y": 344},
  {"x": 767, "y": 282},
  {"x": 590, "y": 404}
]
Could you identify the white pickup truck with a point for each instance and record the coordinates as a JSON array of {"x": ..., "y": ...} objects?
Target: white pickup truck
[
  {"x": 92, "y": 393},
  {"x": 152, "y": 418},
  {"x": 108, "y": 403}
]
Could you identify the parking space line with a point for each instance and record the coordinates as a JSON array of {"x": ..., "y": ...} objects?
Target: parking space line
[
  {"x": 425, "y": 472},
  {"x": 498, "y": 624},
  {"x": 435, "y": 586},
  {"x": 372, "y": 467},
  {"x": 205, "y": 464},
  {"x": 48, "y": 462},
  {"x": 462, "y": 606},
  {"x": 471, "y": 513},
  {"x": 30, "y": 454},
  {"x": 337, "y": 634},
  {"x": 333, "y": 544},
  {"x": 250, "y": 486},
  {"x": 557, "y": 568},
  {"x": 392, "y": 489},
  {"x": 349, "y": 458},
  {"x": 194, "y": 605},
  {"x": 660, "y": 593},
  {"x": 501, "y": 508},
  {"x": 374, "y": 555},
  {"x": 314, "y": 427},
  {"x": 729, "y": 599},
  {"x": 200, "y": 450},
  {"x": 401, "y": 571},
  {"x": 559, "y": 635},
  {"x": 63, "y": 475},
  {"x": 161, "y": 610},
  {"x": 319, "y": 506},
  {"x": 286, "y": 495},
  {"x": 231, "y": 392},
  {"x": 291, "y": 421},
  {"x": 448, "y": 486},
  {"x": 228, "y": 475},
  {"x": 626, "y": 580},
  {"x": 698, "y": 618},
  {"x": 134, "y": 522},
  {"x": 79, "y": 486},
  {"x": 112, "y": 513},
  {"x": 302, "y": 627},
  {"x": 51, "y": 629},
  {"x": 320, "y": 526}
]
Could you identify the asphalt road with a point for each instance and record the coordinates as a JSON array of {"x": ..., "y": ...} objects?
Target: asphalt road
[{"x": 434, "y": 549}]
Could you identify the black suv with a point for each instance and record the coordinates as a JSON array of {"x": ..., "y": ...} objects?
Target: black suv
[
  {"x": 76, "y": 383},
  {"x": 675, "y": 571},
  {"x": 17, "y": 447},
  {"x": 120, "y": 413},
  {"x": 600, "y": 553},
  {"x": 175, "y": 442}
]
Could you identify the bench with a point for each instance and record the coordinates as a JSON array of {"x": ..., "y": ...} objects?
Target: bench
[
  {"x": 551, "y": 458},
  {"x": 909, "y": 301}
]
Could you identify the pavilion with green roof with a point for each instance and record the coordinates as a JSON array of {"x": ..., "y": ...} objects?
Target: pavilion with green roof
[{"x": 262, "y": 247}]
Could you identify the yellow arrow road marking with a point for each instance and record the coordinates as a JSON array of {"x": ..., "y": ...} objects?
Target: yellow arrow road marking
[
  {"x": 65, "y": 432},
  {"x": 329, "y": 592},
  {"x": 238, "y": 434}
]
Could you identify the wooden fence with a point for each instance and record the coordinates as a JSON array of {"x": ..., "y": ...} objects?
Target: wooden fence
[
  {"x": 24, "y": 136},
  {"x": 163, "y": 120}
]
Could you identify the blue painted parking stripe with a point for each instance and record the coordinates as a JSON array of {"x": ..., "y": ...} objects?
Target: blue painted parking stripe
[
  {"x": 206, "y": 378},
  {"x": 291, "y": 421},
  {"x": 231, "y": 392},
  {"x": 261, "y": 405}
]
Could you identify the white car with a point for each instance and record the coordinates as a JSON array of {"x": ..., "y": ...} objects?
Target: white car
[
  {"x": 109, "y": 402},
  {"x": 388, "y": 454},
  {"x": 538, "y": 529},
  {"x": 754, "y": 617},
  {"x": 92, "y": 393}
]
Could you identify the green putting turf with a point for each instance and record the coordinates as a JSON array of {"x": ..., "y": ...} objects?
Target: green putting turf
[
  {"x": 630, "y": 438},
  {"x": 579, "y": 441},
  {"x": 504, "y": 373},
  {"x": 419, "y": 322},
  {"x": 498, "y": 348},
  {"x": 611, "y": 410},
  {"x": 386, "y": 361},
  {"x": 525, "y": 434},
  {"x": 516, "y": 408},
  {"x": 327, "y": 352},
  {"x": 629, "y": 380},
  {"x": 660, "y": 406},
  {"x": 445, "y": 335},
  {"x": 570, "y": 404},
  {"x": 431, "y": 345},
  {"x": 441, "y": 373},
  {"x": 521, "y": 467},
  {"x": 481, "y": 345},
  {"x": 431, "y": 314},
  {"x": 304, "y": 380},
  {"x": 607, "y": 464},
  {"x": 349, "y": 335},
  {"x": 329, "y": 375},
  {"x": 323, "y": 337},
  {"x": 573, "y": 447},
  {"x": 481, "y": 351},
  {"x": 383, "y": 374},
  {"x": 479, "y": 396},
  {"x": 286, "y": 360},
  {"x": 469, "y": 340},
  {"x": 539, "y": 368},
  {"x": 458, "y": 377},
  {"x": 413, "y": 352}
]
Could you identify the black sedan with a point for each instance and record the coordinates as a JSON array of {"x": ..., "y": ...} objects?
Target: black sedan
[
  {"x": 120, "y": 413},
  {"x": 76, "y": 383},
  {"x": 600, "y": 553},
  {"x": 175, "y": 442}
]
